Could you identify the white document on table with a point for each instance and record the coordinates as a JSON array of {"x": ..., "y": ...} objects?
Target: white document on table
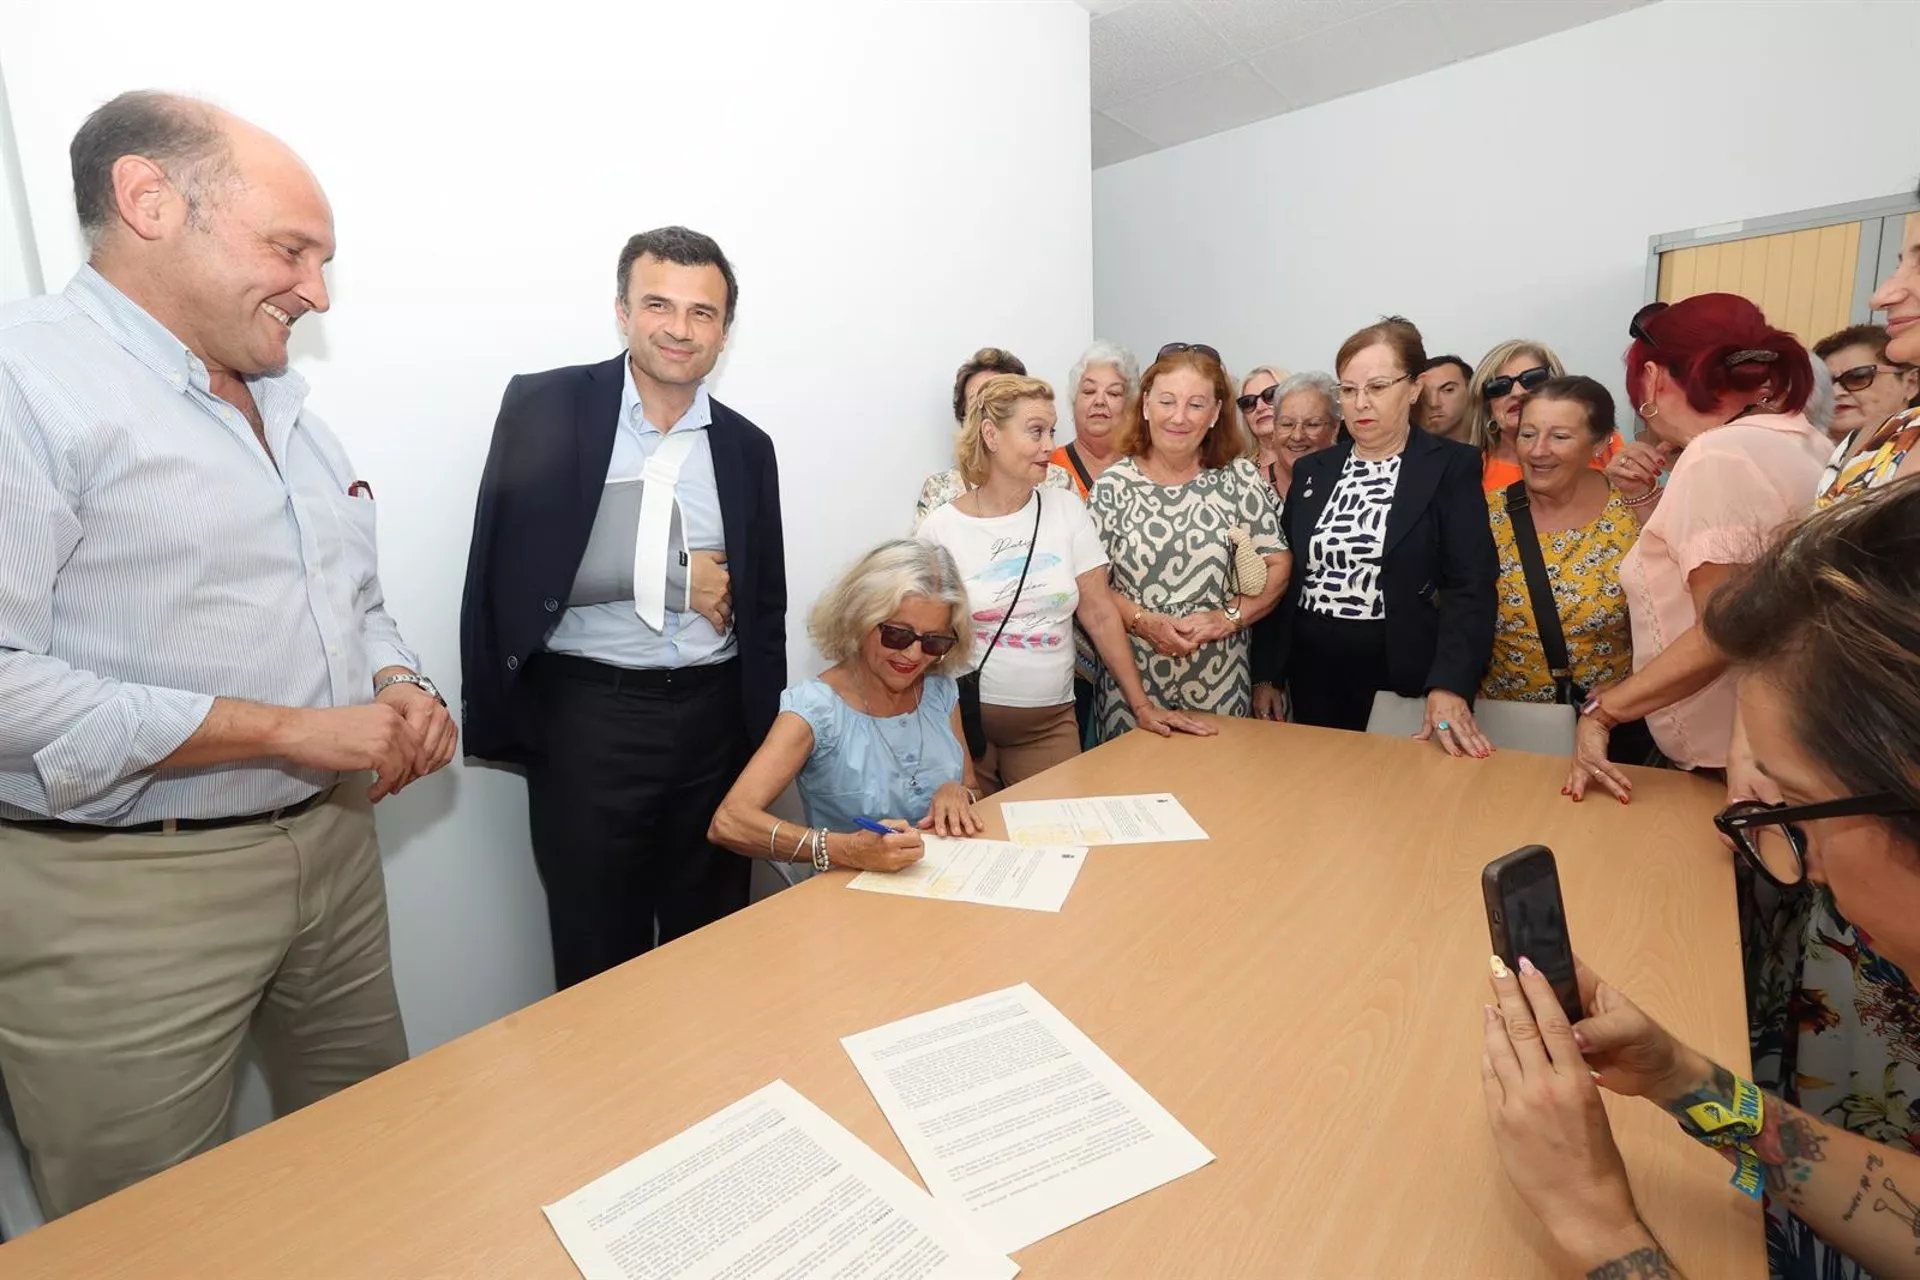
[
  {"x": 1012, "y": 1115},
  {"x": 994, "y": 872},
  {"x": 1146, "y": 819},
  {"x": 769, "y": 1189}
]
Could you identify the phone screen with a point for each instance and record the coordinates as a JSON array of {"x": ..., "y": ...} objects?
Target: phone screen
[{"x": 1537, "y": 923}]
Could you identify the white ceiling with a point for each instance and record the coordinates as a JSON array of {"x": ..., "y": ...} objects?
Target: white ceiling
[{"x": 1169, "y": 71}]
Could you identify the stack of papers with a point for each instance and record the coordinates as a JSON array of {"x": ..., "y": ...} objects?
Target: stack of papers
[
  {"x": 1014, "y": 1116},
  {"x": 1148, "y": 819},
  {"x": 768, "y": 1189},
  {"x": 990, "y": 871}
]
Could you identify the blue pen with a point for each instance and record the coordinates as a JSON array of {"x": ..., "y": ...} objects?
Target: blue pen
[{"x": 868, "y": 824}]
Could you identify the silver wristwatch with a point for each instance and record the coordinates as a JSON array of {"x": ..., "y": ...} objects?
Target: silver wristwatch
[{"x": 407, "y": 677}]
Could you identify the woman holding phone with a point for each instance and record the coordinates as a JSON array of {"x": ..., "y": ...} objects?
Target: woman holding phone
[{"x": 1825, "y": 632}]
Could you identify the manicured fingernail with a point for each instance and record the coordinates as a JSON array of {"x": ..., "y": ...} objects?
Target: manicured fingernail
[
  {"x": 1498, "y": 966},
  {"x": 1526, "y": 966},
  {"x": 1623, "y": 799},
  {"x": 1580, "y": 1039},
  {"x": 1564, "y": 791},
  {"x": 1487, "y": 1009},
  {"x": 1593, "y": 1073}
]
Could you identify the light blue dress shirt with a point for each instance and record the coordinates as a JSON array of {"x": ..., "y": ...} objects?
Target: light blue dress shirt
[
  {"x": 152, "y": 557},
  {"x": 873, "y": 766},
  {"x": 613, "y": 633}
]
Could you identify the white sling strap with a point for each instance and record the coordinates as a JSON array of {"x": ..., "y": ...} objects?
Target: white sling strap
[{"x": 650, "y": 545}]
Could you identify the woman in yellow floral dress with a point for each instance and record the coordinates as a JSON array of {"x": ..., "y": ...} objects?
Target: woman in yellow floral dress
[{"x": 1584, "y": 529}]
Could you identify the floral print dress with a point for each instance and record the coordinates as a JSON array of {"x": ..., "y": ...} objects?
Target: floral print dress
[{"x": 1836, "y": 1024}]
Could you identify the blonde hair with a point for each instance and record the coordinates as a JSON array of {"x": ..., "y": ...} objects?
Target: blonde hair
[
  {"x": 1279, "y": 377},
  {"x": 995, "y": 402},
  {"x": 1481, "y": 430},
  {"x": 869, "y": 593}
]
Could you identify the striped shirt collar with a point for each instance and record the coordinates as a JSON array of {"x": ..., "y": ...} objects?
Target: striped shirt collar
[
  {"x": 699, "y": 414},
  {"x": 153, "y": 344}
]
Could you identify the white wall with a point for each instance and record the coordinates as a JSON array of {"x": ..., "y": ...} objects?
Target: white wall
[
  {"x": 484, "y": 174},
  {"x": 1276, "y": 240}
]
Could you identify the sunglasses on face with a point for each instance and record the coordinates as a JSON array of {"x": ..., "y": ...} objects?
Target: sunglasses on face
[
  {"x": 1769, "y": 836},
  {"x": 895, "y": 636},
  {"x": 1860, "y": 377},
  {"x": 1246, "y": 403},
  {"x": 1637, "y": 327},
  {"x": 1527, "y": 378},
  {"x": 1175, "y": 348}
]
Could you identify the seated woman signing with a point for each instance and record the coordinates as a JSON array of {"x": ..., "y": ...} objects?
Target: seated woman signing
[{"x": 876, "y": 737}]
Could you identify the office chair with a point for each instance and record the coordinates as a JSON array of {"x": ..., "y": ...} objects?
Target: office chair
[{"x": 1544, "y": 728}]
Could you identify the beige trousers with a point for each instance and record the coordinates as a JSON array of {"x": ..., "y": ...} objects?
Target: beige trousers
[
  {"x": 132, "y": 966},
  {"x": 1023, "y": 741}
]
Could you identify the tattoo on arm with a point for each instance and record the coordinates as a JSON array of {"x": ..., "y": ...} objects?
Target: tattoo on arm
[
  {"x": 1717, "y": 1087},
  {"x": 1650, "y": 1263},
  {"x": 1789, "y": 1146}
]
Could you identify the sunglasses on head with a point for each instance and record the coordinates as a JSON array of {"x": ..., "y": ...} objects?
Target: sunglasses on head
[
  {"x": 1246, "y": 403},
  {"x": 1175, "y": 348},
  {"x": 1861, "y": 376},
  {"x": 1637, "y": 327},
  {"x": 1527, "y": 378},
  {"x": 893, "y": 635}
]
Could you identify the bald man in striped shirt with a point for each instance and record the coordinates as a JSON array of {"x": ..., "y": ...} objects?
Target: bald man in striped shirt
[{"x": 197, "y": 669}]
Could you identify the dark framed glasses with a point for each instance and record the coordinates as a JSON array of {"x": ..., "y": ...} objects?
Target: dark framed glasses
[
  {"x": 1175, "y": 348},
  {"x": 894, "y": 635},
  {"x": 1861, "y": 376},
  {"x": 1769, "y": 835},
  {"x": 1637, "y": 327},
  {"x": 1527, "y": 378},
  {"x": 1246, "y": 403}
]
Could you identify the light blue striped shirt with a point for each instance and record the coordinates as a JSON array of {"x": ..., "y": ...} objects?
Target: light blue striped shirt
[
  {"x": 613, "y": 633},
  {"x": 153, "y": 557}
]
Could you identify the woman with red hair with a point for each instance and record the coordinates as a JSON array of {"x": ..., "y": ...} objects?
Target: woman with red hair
[{"x": 1722, "y": 390}]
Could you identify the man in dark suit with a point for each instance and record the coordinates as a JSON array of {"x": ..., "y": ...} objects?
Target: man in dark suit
[{"x": 632, "y": 700}]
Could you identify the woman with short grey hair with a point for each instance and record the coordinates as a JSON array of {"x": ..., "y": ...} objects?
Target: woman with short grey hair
[
  {"x": 1306, "y": 419},
  {"x": 1105, "y": 380},
  {"x": 875, "y": 740}
]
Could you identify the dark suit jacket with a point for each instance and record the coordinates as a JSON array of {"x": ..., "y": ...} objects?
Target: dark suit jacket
[
  {"x": 1438, "y": 567},
  {"x": 538, "y": 498}
]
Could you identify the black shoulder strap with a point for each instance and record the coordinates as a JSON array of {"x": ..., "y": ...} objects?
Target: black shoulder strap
[
  {"x": 1033, "y": 546},
  {"x": 1079, "y": 467},
  {"x": 1546, "y": 614}
]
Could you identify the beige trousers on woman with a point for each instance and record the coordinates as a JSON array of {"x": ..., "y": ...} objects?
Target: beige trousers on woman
[
  {"x": 1023, "y": 741},
  {"x": 132, "y": 966}
]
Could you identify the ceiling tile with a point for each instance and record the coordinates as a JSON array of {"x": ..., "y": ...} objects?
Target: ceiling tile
[
  {"x": 1147, "y": 46},
  {"x": 1200, "y": 105},
  {"x": 1114, "y": 142},
  {"x": 1384, "y": 46},
  {"x": 1249, "y": 26},
  {"x": 1472, "y": 27}
]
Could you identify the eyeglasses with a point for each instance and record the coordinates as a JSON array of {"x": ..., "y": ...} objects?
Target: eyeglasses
[
  {"x": 1637, "y": 327},
  {"x": 1175, "y": 348},
  {"x": 896, "y": 636},
  {"x": 1310, "y": 426},
  {"x": 1860, "y": 377},
  {"x": 1246, "y": 403},
  {"x": 1769, "y": 835},
  {"x": 1527, "y": 378},
  {"x": 1374, "y": 388}
]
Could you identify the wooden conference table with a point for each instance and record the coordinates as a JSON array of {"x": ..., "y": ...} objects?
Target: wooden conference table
[{"x": 1302, "y": 991}]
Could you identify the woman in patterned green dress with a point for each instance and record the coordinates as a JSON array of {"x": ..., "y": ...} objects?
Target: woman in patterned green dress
[{"x": 1169, "y": 512}]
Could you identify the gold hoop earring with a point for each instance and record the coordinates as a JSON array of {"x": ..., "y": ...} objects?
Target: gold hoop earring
[{"x": 1648, "y": 411}]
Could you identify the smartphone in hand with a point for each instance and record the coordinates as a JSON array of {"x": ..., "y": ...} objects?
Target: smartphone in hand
[{"x": 1527, "y": 918}]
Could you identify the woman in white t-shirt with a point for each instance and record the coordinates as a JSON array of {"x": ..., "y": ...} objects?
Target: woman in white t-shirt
[{"x": 1004, "y": 529}]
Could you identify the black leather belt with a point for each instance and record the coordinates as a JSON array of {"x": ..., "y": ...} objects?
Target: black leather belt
[
  {"x": 168, "y": 826},
  {"x": 573, "y": 667}
]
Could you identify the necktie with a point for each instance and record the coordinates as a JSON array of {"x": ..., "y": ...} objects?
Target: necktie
[{"x": 651, "y": 546}]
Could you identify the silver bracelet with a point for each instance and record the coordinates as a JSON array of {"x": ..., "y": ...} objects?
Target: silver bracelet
[
  {"x": 1642, "y": 500},
  {"x": 799, "y": 845},
  {"x": 821, "y": 860},
  {"x": 773, "y": 855}
]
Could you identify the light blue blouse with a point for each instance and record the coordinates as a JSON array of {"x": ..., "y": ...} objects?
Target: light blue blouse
[{"x": 880, "y": 767}]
